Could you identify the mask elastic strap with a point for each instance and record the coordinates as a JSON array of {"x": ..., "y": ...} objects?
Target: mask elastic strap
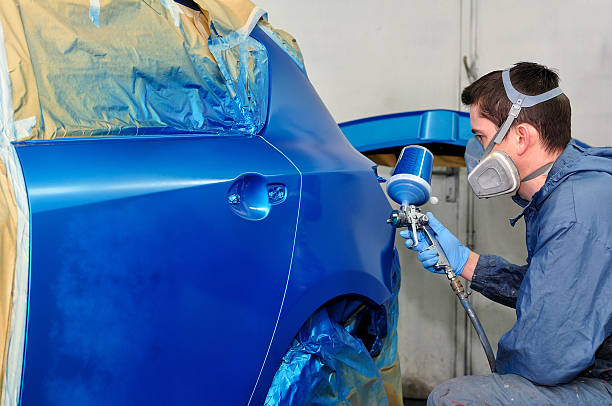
[
  {"x": 519, "y": 100},
  {"x": 540, "y": 171},
  {"x": 503, "y": 130},
  {"x": 526, "y": 101}
]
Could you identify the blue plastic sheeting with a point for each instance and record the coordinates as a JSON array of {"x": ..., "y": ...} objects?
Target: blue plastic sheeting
[
  {"x": 285, "y": 41},
  {"x": 243, "y": 61},
  {"x": 418, "y": 127},
  {"x": 327, "y": 365},
  {"x": 94, "y": 12}
]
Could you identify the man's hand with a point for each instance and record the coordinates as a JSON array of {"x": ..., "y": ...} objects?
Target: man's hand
[{"x": 456, "y": 253}]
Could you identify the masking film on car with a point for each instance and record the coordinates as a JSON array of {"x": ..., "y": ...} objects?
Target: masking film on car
[
  {"x": 83, "y": 68},
  {"x": 14, "y": 240},
  {"x": 8, "y": 254}
]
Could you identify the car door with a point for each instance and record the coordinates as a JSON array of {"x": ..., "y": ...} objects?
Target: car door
[{"x": 158, "y": 267}]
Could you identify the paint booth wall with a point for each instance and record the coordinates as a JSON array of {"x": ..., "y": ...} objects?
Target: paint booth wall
[{"x": 368, "y": 57}]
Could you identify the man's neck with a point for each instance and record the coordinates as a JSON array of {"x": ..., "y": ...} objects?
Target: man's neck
[{"x": 532, "y": 163}]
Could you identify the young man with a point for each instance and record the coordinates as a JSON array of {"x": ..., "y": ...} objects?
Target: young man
[{"x": 559, "y": 351}]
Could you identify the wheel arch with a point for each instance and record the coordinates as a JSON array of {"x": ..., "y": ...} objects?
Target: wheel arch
[{"x": 343, "y": 284}]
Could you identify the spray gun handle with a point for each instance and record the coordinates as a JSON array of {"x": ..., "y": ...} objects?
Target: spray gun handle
[
  {"x": 442, "y": 263},
  {"x": 411, "y": 216}
]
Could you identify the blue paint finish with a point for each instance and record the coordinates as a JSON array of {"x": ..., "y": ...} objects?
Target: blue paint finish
[
  {"x": 148, "y": 288},
  {"x": 344, "y": 245},
  {"x": 152, "y": 297},
  {"x": 418, "y": 127}
]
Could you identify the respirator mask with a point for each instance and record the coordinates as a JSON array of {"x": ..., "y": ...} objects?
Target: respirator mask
[{"x": 493, "y": 173}]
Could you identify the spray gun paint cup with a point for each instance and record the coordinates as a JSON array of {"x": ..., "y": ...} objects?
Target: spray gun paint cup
[{"x": 411, "y": 180}]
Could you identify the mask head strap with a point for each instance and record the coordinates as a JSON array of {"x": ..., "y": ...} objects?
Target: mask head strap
[{"x": 519, "y": 100}]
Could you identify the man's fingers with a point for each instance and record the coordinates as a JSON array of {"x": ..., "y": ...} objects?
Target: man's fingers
[
  {"x": 420, "y": 247},
  {"x": 427, "y": 255},
  {"x": 434, "y": 270},
  {"x": 406, "y": 234},
  {"x": 430, "y": 262},
  {"x": 422, "y": 239}
]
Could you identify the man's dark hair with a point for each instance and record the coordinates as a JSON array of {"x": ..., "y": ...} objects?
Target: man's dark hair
[{"x": 551, "y": 118}]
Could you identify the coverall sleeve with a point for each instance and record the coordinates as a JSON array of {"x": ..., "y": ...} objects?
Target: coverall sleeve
[
  {"x": 563, "y": 308},
  {"x": 498, "y": 279}
]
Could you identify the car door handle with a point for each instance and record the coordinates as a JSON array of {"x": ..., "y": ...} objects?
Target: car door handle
[
  {"x": 251, "y": 196},
  {"x": 277, "y": 193}
]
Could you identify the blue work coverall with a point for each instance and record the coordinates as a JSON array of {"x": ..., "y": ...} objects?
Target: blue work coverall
[{"x": 559, "y": 351}]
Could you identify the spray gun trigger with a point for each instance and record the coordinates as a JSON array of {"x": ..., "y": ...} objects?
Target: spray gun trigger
[{"x": 415, "y": 237}]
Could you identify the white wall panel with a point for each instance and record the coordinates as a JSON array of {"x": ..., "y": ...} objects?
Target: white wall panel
[
  {"x": 573, "y": 37},
  {"x": 370, "y": 57}
]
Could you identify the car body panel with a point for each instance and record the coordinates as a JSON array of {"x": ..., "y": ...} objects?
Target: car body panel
[
  {"x": 142, "y": 276},
  {"x": 344, "y": 245},
  {"x": 414, "y": 127},
  {"x": 146, "y": 286}
]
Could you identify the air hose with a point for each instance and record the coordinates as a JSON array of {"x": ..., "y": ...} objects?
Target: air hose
[
  {"x": 463, "y": 298},
  {"x": 412, "y": 217}
]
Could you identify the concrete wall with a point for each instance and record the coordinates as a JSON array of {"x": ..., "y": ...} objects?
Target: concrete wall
[{"x": 370, "y": 57}]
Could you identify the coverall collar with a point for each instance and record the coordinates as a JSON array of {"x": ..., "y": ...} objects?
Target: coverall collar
[{"x": 560, "y": 169}]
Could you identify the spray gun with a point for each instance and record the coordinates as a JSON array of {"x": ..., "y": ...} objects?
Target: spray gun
[{"x": 410, "y": 186}]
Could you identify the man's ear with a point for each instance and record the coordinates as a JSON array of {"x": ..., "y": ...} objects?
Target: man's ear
[{"x": 526, "y": 135}]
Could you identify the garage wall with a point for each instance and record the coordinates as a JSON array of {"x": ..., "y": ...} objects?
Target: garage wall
[
  {"x": 370, "y": 57},
  {"x": 573, "y": 37}
]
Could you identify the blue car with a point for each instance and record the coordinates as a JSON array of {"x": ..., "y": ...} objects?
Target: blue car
[{"x": 176, "y": 263}]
